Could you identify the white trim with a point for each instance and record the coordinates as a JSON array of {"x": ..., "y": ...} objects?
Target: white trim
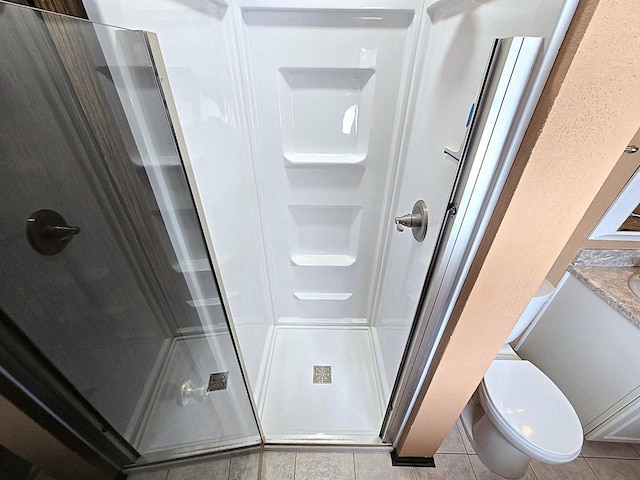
[
  {"x": 626, "y": 201},
  {"x": 538, "y": 316}
]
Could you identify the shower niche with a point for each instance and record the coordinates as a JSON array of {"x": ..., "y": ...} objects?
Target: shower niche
[{"x": 325, "y": 115}]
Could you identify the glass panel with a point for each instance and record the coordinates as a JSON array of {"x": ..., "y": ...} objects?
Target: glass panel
[{"x": 127, "y": 307}]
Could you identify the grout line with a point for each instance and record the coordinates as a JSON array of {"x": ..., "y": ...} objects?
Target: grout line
[
  {"x": 610, "y": 457},
  {"x": 533, "y": 471},
  {"x": 355, "y": 472},
  {"x": 475, "y": 474},
  {"x": 591, "y": 468},
  {"x": 295, "y": 465}
]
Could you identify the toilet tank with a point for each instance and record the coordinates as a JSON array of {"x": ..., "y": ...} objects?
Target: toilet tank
[{"x": 537, "y": 302}]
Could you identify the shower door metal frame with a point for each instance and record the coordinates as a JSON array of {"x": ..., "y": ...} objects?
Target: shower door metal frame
[{"x": 472, "y": 203}]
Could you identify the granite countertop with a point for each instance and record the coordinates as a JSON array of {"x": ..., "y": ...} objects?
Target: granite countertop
[{"x": 606, "y": 273}]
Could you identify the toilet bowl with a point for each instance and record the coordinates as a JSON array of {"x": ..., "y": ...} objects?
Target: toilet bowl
[{"x": 517, "y": 413}]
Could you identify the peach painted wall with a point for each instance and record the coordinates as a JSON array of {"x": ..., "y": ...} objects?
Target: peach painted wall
[
  {"x": 620, "y": 175},
  {"x": 589, "y": 110}
]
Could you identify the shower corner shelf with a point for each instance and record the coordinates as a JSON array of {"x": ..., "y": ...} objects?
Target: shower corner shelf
[
  {"x": 307, "y": 160},
  {"x": 197, "y": 265},
  {"x": 307, "y": 260},
  {"x": 159, "y": 161},
  {"x": 210, "y": 301},
  {"x": 204, "y": 302}
]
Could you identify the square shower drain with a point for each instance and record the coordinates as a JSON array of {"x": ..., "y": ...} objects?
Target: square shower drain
[
  {"x": 322, "y": 374},
  {"x": 218, "y": 381}
]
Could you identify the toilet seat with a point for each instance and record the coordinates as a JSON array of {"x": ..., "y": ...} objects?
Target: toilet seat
[{"x": 531, "y": 411}]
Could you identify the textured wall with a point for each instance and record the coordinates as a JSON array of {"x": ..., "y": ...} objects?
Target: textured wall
[{"x": 620, "y": 175}]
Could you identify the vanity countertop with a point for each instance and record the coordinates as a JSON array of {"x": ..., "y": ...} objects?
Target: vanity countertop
[{"x": 606, "y": 273}]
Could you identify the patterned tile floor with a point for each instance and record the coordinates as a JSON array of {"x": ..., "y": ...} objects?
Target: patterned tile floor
[{"x": 455, "y": 460}]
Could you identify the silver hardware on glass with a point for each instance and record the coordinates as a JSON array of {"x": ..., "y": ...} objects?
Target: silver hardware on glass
[
  {"x": 217, "y": 381},
  {"x": 631, "y": 149},
  {"x": 417, "y": 220}
]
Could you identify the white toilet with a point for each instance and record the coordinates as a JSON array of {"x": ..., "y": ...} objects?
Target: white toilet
[{"x": 517, "y": 413}]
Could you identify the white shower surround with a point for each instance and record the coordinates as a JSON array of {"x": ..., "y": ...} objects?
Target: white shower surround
[
  {"x": 300, "y": 205},
  {"x": 326, "y": 90}
]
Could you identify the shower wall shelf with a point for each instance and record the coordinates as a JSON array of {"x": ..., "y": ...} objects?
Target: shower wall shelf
[
  {"x": 301, "y": 160},
  {"x": 322, "y": 296},
  {"x": 322, "y": 260}
]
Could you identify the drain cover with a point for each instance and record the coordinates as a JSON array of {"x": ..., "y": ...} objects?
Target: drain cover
[
  {"x": 218, "y": 381},
  {"x": 322, "y": 374}
]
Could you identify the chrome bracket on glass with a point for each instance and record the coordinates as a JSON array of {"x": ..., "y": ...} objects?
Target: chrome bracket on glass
[
  {"x": 217, "y": 381},
  {"x": 417, "y": 220},
  {"x": 48, "y": 232}
]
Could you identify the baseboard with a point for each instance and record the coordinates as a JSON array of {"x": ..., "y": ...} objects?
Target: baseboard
[{"x": 397, "y": 461}]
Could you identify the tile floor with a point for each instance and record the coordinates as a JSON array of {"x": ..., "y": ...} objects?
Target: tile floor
[{"x": 455, "y": 460}]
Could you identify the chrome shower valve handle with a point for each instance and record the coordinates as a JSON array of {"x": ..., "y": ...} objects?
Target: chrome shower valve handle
[
  {"x": 417, "y": 220},
  {"x": 410, "y": 220}
]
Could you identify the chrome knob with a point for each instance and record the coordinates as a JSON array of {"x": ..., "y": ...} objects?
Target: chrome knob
[{"x": 417, "y": 221}]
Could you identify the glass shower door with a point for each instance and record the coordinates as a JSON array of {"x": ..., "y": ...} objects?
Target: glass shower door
[{"x": 104, "y": 264}]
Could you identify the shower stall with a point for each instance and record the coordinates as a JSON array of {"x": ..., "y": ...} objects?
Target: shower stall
[{"x": 234, "y": 231}]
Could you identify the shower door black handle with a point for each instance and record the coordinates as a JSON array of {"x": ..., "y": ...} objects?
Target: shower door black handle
[
  {"x": 62, "y": 232},
  {"x": 48, "y": 232}
]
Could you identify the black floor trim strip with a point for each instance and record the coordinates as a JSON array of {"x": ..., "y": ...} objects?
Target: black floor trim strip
[{"x": 397, "y": 461}]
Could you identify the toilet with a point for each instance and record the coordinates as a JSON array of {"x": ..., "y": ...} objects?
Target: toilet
[{"x": 517, "y": 413}]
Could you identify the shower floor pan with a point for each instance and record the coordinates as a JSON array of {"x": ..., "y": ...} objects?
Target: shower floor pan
[{"x": 322, "y": 386}]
